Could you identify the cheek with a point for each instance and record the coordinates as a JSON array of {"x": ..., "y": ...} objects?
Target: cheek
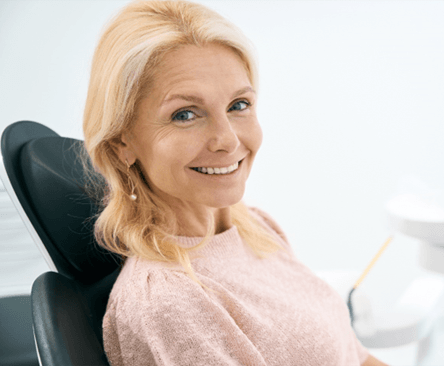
[{"x": 171, "y": 154}]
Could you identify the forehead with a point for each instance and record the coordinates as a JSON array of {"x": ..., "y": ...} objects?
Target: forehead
[{"x": 205, "y": 67}]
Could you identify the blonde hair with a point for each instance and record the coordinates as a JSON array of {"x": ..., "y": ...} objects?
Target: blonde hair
[{"x": 123, "y": 66}]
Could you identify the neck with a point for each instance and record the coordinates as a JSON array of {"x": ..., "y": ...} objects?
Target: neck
[{"x": 197, "y": 224}]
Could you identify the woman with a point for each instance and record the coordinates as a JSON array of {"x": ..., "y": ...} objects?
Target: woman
[{"x": 170, "y": 122}]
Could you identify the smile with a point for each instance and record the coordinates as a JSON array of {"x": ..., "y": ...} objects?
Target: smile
[{"x": 223, "y": 170}]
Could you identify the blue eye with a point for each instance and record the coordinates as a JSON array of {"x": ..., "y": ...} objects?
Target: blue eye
[
  {"x": 239, "y": 106},
  {"x": 183, "y": 116}
]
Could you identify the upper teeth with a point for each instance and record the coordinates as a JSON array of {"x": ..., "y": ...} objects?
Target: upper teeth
[{"x": 224, "y": 170}]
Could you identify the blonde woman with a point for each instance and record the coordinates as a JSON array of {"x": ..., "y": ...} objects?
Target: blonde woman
[{"x": 170, "y": 123}]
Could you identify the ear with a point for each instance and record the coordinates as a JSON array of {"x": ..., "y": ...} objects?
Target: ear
[{"x": 125, "y": 151}]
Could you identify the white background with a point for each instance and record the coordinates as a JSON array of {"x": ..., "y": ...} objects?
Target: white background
[{"x": 351, "y": 105}]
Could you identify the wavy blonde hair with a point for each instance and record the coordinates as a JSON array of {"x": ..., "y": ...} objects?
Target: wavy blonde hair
[{"x": 124, "y": 65}]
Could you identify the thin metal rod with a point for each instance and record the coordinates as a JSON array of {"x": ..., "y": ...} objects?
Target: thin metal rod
[{"x": 372, "y": 263}]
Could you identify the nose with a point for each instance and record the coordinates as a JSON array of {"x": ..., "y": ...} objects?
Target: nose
[{"x": 222, "y": 135}]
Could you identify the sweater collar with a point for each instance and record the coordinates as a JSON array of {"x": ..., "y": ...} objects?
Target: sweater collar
[{"x": 226, "y": 242}]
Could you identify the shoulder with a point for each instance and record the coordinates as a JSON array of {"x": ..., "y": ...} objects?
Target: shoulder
[
  {"x": 146, "y": 293},
  {"x": 145, "y": 280},
  {"x": 268, "y": 222}
]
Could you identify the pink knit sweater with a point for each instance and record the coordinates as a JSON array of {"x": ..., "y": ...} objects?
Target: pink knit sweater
[{"x": 272, "y": 311}]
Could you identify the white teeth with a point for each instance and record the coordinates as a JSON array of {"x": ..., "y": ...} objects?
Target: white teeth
[
  {"x": 233, "y": 167},
  {"x": 224, "y": 170}
]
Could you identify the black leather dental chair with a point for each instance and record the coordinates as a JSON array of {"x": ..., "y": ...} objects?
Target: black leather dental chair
[{"x": 46, "y": 183}]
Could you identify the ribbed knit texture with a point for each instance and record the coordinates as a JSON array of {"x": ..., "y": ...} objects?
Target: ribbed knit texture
[{"x": 272, "y": 311}]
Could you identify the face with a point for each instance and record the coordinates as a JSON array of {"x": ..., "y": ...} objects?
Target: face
[{"x": 198, "y": 118}]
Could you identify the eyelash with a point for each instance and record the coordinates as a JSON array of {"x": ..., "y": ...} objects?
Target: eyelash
[{"x": 173, "y": 117}]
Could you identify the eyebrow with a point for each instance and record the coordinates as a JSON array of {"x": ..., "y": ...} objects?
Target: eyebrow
[{"x": 198, "y": 100}]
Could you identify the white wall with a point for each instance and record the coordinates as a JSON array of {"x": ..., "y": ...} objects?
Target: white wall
[{"x": 351, "y": 101}]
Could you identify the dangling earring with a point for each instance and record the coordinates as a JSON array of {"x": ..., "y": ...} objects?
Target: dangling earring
[{"x": 133, "y": 197}]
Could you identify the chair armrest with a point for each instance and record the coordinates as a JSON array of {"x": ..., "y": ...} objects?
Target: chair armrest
[{"x": 62, "y": 325}]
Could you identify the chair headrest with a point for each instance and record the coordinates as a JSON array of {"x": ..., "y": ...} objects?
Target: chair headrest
[{"x": 54, "y": 180}]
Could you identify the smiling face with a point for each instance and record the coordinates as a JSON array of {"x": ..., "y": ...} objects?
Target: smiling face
[{"x": 199, "y": 113}]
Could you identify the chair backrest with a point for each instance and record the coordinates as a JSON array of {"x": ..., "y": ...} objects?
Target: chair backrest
[{"x": 45, "y": 179}]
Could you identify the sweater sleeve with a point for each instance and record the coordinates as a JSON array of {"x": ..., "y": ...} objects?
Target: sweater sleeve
[{"x": 173, "y": 321}]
